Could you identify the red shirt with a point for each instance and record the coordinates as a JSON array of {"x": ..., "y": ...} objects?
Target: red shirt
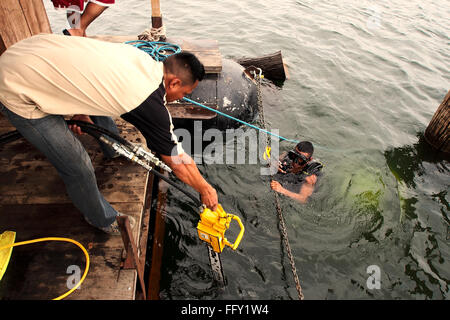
[{"x": 78, "y": 5}]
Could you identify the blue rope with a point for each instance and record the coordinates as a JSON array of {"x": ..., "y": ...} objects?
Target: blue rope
[
  {"x": 238, "y": 120},
  {"x": 156, "y": 49}
]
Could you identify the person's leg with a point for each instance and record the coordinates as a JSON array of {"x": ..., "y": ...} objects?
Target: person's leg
[
  {"x": 90, "y": 13},
  {"x": 53, "y": 138},
  {"x": 108, "y": 124}
]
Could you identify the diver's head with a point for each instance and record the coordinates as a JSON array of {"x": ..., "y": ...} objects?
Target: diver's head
[
  {"x": 302, "y": 154},
  {"x": 182, "y": 72}
]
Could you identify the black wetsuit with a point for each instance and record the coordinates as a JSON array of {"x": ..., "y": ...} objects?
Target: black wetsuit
[{"x": 294, "y": 181}]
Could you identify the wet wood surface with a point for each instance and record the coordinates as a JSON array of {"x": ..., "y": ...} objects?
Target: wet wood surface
[{"x": 34, "y": 204}]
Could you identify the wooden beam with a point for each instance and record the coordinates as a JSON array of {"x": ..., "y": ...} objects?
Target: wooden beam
[
  {"x": 158, "y": 243},
  {"x": 189, "y": 111},
  {"x": 156, "y": 14},
  {"x": 36, "y": 16},
  {"x": 20, "y": 19},
  {"x": 13, "y": 25},
  {"x": 156, "y": 8},
  {"x": 132, "y": 260}
]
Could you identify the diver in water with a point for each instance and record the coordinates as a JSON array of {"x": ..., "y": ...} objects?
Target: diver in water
[{"x": 297, "y": 172}]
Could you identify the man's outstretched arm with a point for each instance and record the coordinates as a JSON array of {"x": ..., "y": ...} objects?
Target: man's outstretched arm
[
  {"x": 186, "y": 170},
  {"x": 302, "y": 196}
]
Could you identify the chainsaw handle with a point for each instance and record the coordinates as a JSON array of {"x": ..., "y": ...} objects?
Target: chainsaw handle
[{"x": 240, "y": 235}]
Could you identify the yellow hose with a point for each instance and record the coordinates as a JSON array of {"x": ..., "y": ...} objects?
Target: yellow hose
[{"x": 57, "y": 239}]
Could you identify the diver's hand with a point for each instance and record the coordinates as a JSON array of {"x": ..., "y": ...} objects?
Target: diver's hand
[
  {"x": 312, "y": 179},
  {"x": 280, "y": 167},
  {"x": 276, "y": 186},
  {"x": 80, "y": 117}
]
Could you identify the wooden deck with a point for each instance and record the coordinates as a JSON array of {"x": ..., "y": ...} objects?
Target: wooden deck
[{"x": 34, "y": 204}]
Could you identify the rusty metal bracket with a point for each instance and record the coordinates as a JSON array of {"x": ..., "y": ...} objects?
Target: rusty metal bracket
[{"x": 132, "y": 259}]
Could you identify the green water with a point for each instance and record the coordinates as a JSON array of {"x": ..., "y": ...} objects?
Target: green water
[{"x": 365, "y": 79}]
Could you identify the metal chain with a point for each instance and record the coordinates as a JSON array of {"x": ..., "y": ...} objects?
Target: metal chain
[
  {"x": 283, "y": 228},
  {"x": 262, "y": 121},
  {"x": 288, "y": 247}
]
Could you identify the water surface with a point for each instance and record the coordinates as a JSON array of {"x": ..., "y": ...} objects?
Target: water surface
[{"x": 365, "y": 79}]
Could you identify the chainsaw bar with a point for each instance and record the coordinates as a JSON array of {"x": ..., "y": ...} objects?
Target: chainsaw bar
[{"x": 216, "y": 266}]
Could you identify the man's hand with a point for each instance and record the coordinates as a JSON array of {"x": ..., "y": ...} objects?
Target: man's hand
[
  {"x": 186, "y": 170},
  {"x": 209, "y": 198},
  {"x": 80, "y": 117}
]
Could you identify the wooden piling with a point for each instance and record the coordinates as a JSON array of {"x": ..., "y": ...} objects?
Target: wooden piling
[
  {"x": 156, "y": 14},
  {"x": 438, "y": 131},
  {"x": 20, "y": 19},
  {"x": 157, "y": 17}
]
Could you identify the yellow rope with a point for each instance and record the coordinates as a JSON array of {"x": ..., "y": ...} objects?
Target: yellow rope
[{"x": 58, "y": 239}]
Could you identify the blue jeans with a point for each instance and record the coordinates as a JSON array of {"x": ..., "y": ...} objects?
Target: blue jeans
[{"x": 52, "y": 137}]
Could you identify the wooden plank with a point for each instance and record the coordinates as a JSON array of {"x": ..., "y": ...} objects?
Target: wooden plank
[
  {"x": 20, "y": 19},
  {"x": 31, "y": 191},
  {"x": 142, "y": 246},
  {"x": 36, "y": 16},
  {"x": 39, "y": 183},
  {"x": 158, "y": 243},
  {"x": 39, "y": 271},
  {"x": 206, "y": 50},
  {"x": 189, "y": 111},
  {"x": 35, "y": 180},
  {"x": 13, "y": 25}
]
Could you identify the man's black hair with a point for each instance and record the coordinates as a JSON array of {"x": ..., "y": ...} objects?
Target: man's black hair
[
  {"x": 305, "y": 146},
  {"x": 186, "y": 66}
]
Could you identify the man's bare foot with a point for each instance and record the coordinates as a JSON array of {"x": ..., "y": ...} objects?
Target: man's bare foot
[{"x": 77, "y": 32}]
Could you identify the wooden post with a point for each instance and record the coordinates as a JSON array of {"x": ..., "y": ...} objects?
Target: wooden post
[
  {"x": 20, "y": 19},
  {"x": 156, "y": 14},
  {"x": 438, "y": 132},
  {"x": 156, "y": 32},
  {"x": 158, "y": 242}
]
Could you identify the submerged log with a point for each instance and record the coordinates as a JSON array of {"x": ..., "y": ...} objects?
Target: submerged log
[
  {"x": 272, "y": 65},
  {"x": 438, "y": 131}
]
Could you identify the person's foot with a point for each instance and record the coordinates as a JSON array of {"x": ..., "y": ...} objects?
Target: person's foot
[
  {"x": 75, "y": 32},
  {"x": 114, "y": 230}
]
